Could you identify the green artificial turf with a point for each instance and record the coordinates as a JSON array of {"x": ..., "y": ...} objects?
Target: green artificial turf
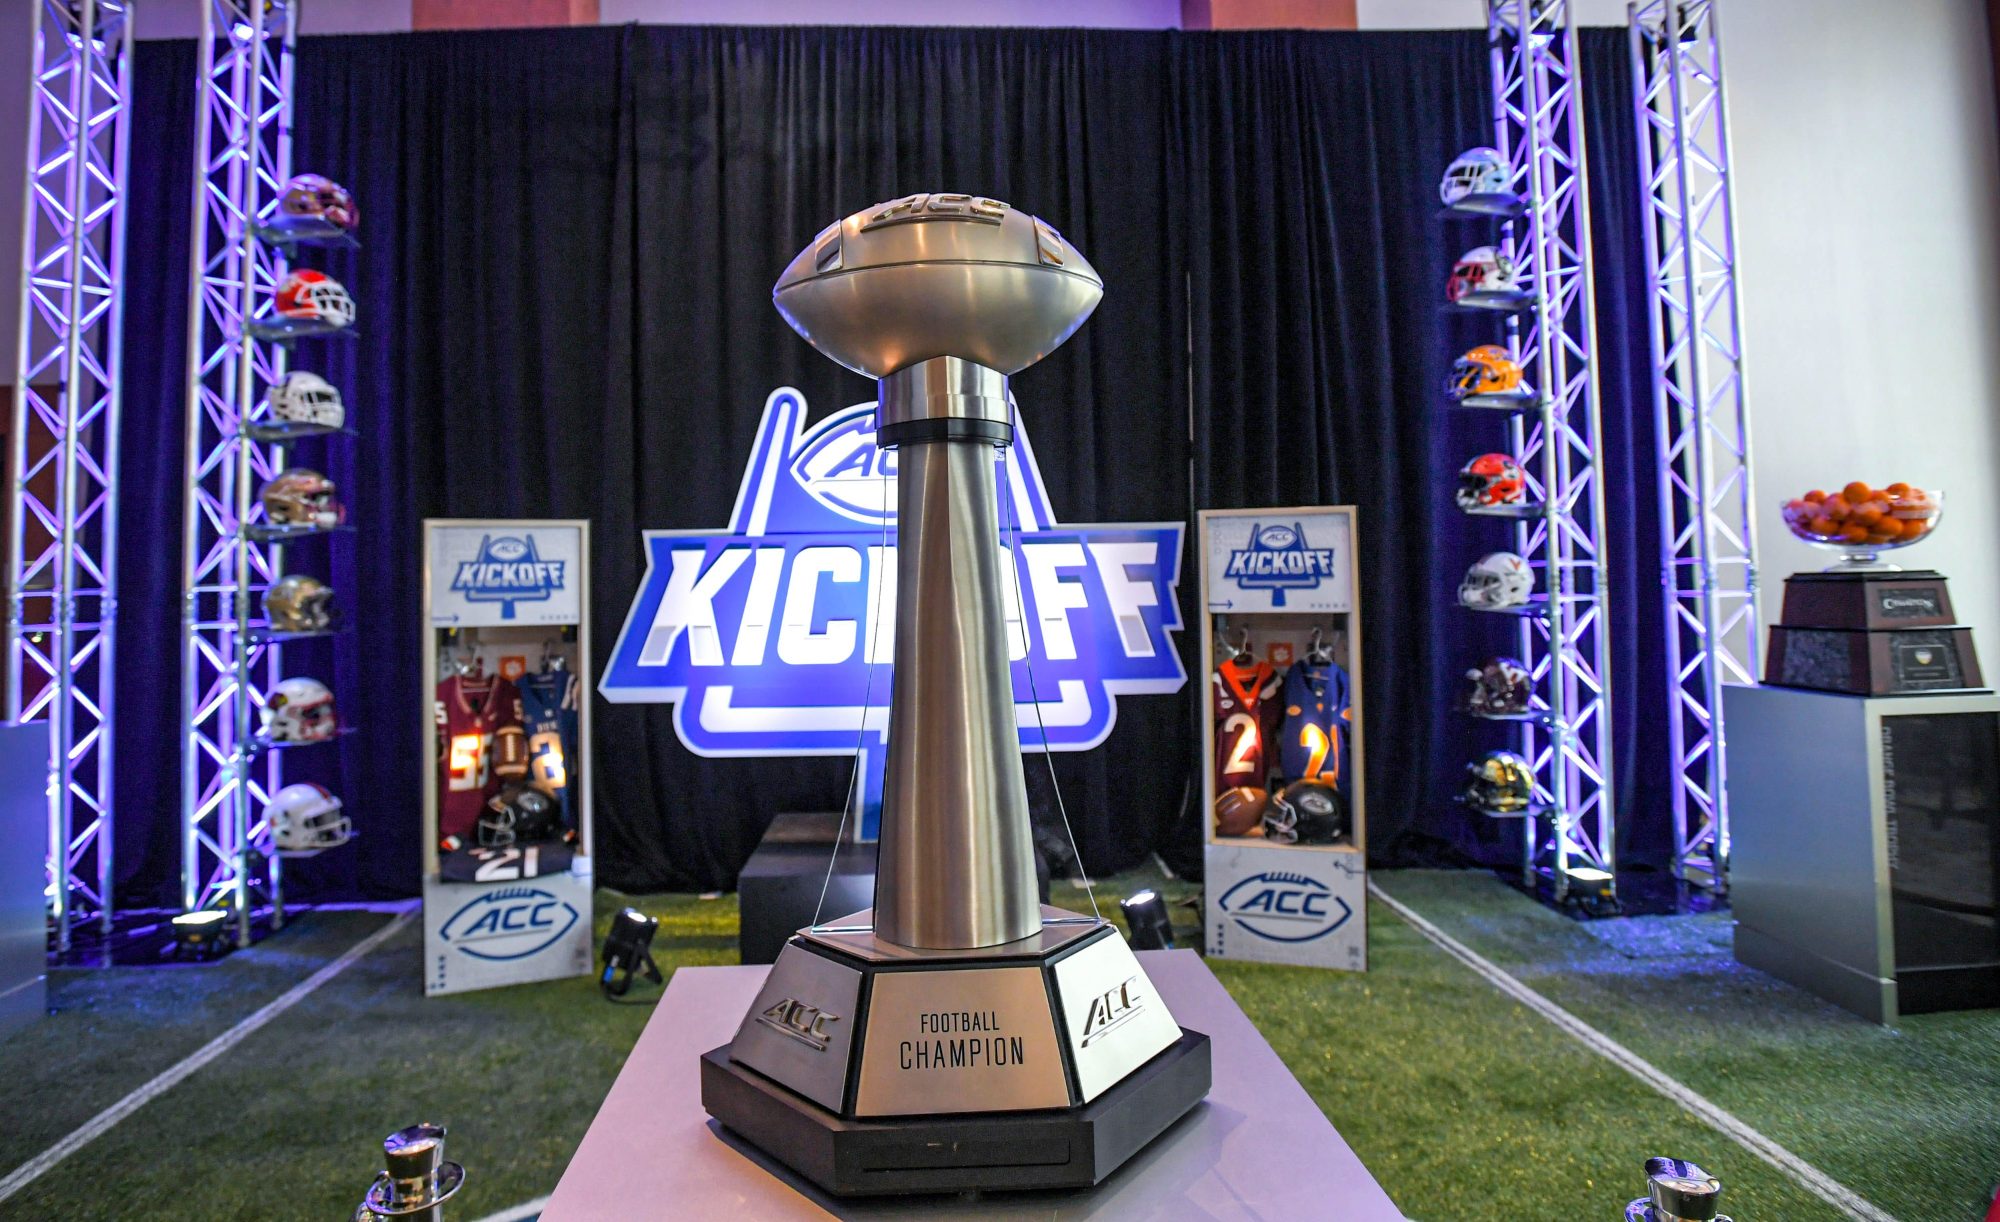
[{"x": 1464, "y": 1104}]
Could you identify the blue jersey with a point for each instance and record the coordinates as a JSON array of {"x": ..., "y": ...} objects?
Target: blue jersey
[
  {"x": 549, "y": 704},
  {"x": 1312, "y": 742}
]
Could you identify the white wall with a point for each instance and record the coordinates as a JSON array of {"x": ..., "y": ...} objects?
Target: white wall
[{"x": 1866, "y": 192}]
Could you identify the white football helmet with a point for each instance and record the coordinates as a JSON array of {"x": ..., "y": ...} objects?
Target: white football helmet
[
  {"x": 306, "y": 818},
  {"x": 1499, "y": 580},
  {"x": 1483, "y": 269},
  {"x": 1480, "y": 171},
  {"x": 307, "y": 398},
  {"x": 300, "y": 711}
]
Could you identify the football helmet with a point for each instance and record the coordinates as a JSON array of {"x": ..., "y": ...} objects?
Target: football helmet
[
  {"x": 317, "y": 296},
  {"x": 300, "y": 711},
  {"x": 1306, "y": 812},
  {"x": 1501, "y": 688},
  {"x": 519, "y": 814},
  {"x": 1483, "y": 269},
  {"x": 1238, "y": 810},
  {"x": 1500, "y": 579},
  {"x": 1499, "y": 783},
  {"x": 299, "y": 603},
  {"x": 300, "y": 496},
  {"x": 1491, "y": 479},
  {"x": 1485, "y": 370},
  {"x": 315, "y": 197},
  {"x": 1480, "y": 171},
  {"x": 307, "y": 398},
  {"x": 306, "y": 818}
]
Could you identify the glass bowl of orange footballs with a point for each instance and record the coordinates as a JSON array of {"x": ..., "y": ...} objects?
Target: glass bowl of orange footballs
[{"x": 1862, "y": 522}]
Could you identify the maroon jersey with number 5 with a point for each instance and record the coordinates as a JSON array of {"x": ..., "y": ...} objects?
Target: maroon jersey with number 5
[{"x": 480, "y": 743}]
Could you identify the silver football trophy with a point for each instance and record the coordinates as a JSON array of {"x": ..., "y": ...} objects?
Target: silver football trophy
[
  {"x": 1677, "y": 1191},
  {"x": 959, "y": 1035},
  {"x": 416, "y": 1181}
]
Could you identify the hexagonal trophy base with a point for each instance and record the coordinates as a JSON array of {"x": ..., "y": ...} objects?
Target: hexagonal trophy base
[{"x": 870, "y": 1068}]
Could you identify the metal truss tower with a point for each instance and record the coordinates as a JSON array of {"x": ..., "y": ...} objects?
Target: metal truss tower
[
  {"x": 1707, "y": 502},
  {"x": 63, "y": 474},
  {"x": 242, "y": 159},
  {"x": 1565, "y": 641}
]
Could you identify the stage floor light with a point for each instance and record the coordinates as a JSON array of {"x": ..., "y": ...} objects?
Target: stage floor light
[
  {"x": 628, "y": 952},
  {"x": 1146, "y": 916}
]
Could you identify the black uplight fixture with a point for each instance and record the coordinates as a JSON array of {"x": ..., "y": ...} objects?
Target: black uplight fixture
[
  {"x": 628, "y": 952},
  {"x": 1146, "y": 916},
  {"x": 202, "y": 933}
]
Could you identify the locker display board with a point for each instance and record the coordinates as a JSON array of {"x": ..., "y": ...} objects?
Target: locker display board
[
  {"x": 1286, "y": 837},
  {"x": 506, "y": 720}
]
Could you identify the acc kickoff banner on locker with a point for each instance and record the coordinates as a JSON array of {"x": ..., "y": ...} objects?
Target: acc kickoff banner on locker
[
  {"x": 1294, "y": 562},
  {"x": 761, "y": 634},
  {"x": 485, "y": 578}
]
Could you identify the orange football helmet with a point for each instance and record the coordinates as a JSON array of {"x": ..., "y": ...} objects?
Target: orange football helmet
[{"x": 1486, "y": 370}]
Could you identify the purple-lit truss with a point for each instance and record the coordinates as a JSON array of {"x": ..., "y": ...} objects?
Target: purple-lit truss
[
  {"x": 1707, "y": 504},
  {"x": 1538, "y": 127},
  {"x": 242, "y": 159},
  {"x": 62, "y": 525}
]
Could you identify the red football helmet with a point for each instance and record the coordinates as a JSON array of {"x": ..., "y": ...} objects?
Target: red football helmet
[
  {"x": 1483, "y": 269},
  {"x": 1491, "y": 479},
  {"x": 314, "y": 197},
  {"x": 317, "y": 296},
  {"x": 300, "y": 496}
]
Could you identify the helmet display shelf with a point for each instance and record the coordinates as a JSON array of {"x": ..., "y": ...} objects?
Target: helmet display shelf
[
  {"x": 279, "y": 329},
  {"x": 293, "y": 430},
  {"x": 1520, "y": 511},
  {"x": 263, "y": 532},
  {"x": 248, "y": 305},
  {"x": 1531, "y": 185},
  {"x": 272, "y": 636},
  {"x": 263, "y": 743}
]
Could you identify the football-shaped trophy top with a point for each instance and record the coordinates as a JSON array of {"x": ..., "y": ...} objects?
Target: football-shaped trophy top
[{"x": 938, "y": 274}]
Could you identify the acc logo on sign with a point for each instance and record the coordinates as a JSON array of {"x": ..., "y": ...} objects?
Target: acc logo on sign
[
  {"x": 1279, "y": 560},
  {"x": 511, "y": 923},
  {"x": 762, "y": 635},
  {"x": 1285, "y": 907},
  {"x": 507, "y": 571}
]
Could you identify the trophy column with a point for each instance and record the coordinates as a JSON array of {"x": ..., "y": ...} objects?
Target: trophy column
[{"x": 956, "y": 868}]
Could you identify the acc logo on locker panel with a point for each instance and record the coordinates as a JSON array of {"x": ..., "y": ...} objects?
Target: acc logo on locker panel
[
  {"x": 1285, "y": 907},
  {"x": 508, "y": 570},
  {"x": 761, "y": 635},
  {"x": 510, "y": 923}
]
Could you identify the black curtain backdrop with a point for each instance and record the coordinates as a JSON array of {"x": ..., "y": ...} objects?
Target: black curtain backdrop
[{"x": 565, "y": 311}]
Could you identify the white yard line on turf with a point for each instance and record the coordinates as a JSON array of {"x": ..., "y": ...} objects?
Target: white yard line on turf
[
  {"x": 519, "y": 1213},
  {"x": 28, "y": 1172},
  {"x": 1809, "y": 1177}
]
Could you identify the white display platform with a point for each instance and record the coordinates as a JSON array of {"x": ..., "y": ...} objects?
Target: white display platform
[{"x": 1258, "y": 1147}]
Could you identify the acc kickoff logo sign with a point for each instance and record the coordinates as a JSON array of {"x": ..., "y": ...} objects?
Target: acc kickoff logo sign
[
  {"x": 507, "y": 571},
  {"x": 1300, "y": 561},
  {"x": 510, "y": 923},
  {"x": 761, "y": 634},
  {"x": 1282, "y": 907}
]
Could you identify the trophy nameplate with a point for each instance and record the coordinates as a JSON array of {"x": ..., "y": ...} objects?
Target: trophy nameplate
[
  {"x": 1913, "y": 599},
  {"x": 958, "y": 1036}
]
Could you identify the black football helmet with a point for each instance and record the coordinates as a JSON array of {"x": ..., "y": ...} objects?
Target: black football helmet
[
  {"x": 1306, "y": 812},
  {"x": 519, "y": 814}
]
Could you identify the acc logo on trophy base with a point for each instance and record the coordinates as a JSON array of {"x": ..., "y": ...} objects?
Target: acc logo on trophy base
[
  {"x": 1279, "y": 560},
  {"x": 761, "y": 635},
  {"x": 507, "y": 571},
  {"x": 510, "y": 923},
  {"x": 1285, "y": 907},
  {"x": 796, "y": 1020}
]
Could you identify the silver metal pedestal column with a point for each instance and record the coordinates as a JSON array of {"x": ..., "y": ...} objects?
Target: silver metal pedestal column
[{"x": 957, "y": 863}]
